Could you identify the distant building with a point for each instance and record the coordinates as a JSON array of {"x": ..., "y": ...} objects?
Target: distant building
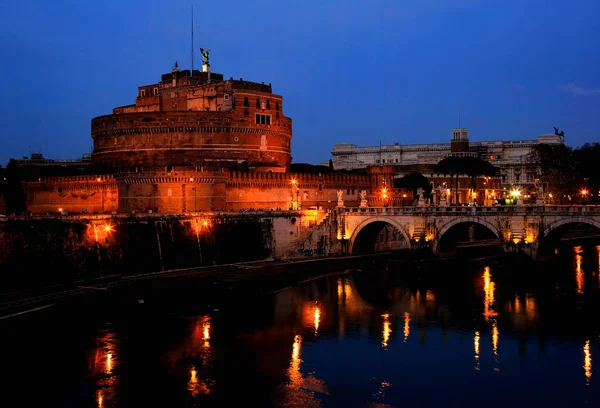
[{"x": 509, "y": 157}]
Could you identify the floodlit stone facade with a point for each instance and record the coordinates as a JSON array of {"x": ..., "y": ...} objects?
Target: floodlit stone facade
[{"x": 509, "y": 157}]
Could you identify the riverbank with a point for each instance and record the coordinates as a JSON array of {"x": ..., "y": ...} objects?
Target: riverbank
[{"x": 203, "y": 289}]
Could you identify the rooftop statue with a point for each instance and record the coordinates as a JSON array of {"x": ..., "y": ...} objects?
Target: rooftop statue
[{"x": 204, "y": 55}]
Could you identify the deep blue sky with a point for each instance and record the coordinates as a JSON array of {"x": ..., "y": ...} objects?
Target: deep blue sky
[{"x": 349, "y": 70}]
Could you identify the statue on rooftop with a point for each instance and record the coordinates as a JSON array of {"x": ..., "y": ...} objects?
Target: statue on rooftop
[{"x": 204, "y": 56}]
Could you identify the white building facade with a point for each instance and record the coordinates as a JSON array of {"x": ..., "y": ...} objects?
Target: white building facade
[{"x": 508, "y": 156}]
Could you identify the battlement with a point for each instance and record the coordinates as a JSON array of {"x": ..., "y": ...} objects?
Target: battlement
[{"x": 87, "y": 179}]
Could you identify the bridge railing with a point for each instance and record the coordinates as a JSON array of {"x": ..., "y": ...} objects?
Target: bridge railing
[{"x": 482, "y": 210}]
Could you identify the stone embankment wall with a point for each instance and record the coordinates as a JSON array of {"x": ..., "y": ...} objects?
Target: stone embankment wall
[{"x": 43, "y": 251}]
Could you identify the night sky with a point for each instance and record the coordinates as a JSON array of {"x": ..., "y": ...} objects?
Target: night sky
[{"x": 349, "y": 70}]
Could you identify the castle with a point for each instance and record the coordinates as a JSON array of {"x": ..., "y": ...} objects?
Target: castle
[{"x": 192, "y": 142}]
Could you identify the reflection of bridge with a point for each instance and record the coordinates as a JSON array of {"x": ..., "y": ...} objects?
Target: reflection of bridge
[{"x": 522, "y": 228}]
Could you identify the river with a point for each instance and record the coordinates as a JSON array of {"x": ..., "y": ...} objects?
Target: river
[{"x": 488, "y": 333}]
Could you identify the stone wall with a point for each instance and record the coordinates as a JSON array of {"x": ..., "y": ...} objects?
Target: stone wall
[
  {"x": 42, "y": 251},
  {"x": 185, "y": 190},
  {"x": 94, "y": 194}
]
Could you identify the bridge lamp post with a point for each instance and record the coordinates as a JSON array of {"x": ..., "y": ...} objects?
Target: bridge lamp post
[
  {"x": 584, "y": 193},
  {"x": 515, "y": 194},
  {"x": 384, "y": 195}
]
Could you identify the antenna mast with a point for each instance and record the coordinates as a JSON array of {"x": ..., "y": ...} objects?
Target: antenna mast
[{"x": 192, "y": 73}]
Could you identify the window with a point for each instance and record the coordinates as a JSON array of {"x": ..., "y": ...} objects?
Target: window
[
  {"x": 263, "y": 119},
  {"x": 377, "y": 161},
  {"x": 143, "y": 93},
  {"x": 268, "y": 104},
  {"x": 277, "y": 105},
  {"x": 226, "y": 97},
  {"x": 169, "y": 192},
  {"x": 396, "y": 160},
  {"x": 246, "y": 102},
  {"x": 257, "y": 103},
  {"x": 155, "y": 91},
  {"x": 235, "y": 139}
]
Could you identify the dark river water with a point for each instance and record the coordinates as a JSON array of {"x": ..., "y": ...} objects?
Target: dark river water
[{"x": 486, "y": 334}]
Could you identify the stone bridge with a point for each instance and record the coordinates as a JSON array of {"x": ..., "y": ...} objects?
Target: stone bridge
[{"x": 515, "y": 228}]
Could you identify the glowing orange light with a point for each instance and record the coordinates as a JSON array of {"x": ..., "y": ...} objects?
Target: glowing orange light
[
  {"x": 317, "y": 319},
  {"x": 406, "y": 325},
  {"x": 587, "y": 362},
  {"x": 191, "y": 179},
  {"x": 579, "y": 276},
  {"x": 476, "y": 348},
  {"x": 100, "y": 400},
  {"x": 315, "y": 213},
  {"x": 387, "y": 330},
  {"x": 293, "y": 181},
  {"x": 206, "y": 331},
  {"x": 584, "y": 192},
  {"x": 108, "y": 362},
  {"x": 488, "y": 288},
  {"x": 403, "y": 195},
  {"x": 296, "y": 347},
  {"x": 98, "y": 179},
  {"x": 60, "y": 210},
  {"x": 495, "y": 335},
  {"x": 107, "y": 228},
  {"x": 205, "y": 223}
]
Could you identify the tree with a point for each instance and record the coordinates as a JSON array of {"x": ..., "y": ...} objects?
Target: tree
[
  {"x": 414, "y": 181},
  {"x": 469, "y": 166},
  {"x": 585, "y": 161},
  {"x": 14, "y": 194},
  {"x": 556, "y": 169}
]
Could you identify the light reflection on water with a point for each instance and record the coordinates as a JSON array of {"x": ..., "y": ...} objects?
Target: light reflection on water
[
  {"x": 336, "y": 320},
  {"x": 372, "y": 339},
  {"x": 102, "y": 365}
]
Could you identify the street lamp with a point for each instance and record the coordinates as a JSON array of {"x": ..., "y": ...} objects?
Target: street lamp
[
  {"x": 584, "y": 193},
  {"x": 295, "y": 205},
  {"x": 515, "y": 193}
]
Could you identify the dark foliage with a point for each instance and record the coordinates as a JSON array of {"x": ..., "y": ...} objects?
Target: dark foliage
[{"x": 414, "y": 181}]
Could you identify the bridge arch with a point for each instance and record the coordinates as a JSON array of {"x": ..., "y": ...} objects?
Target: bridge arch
[
  {"x": 377, "y": 222},
  {"x": 553, "y": 232},
  {"x": 570, "y": 220},
  {"x": 463, "y": 220}
]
